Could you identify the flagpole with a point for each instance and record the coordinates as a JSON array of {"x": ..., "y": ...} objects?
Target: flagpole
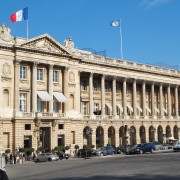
[
  {"x": 27, "y": 26},
  {"x": 121, "y": 39}
]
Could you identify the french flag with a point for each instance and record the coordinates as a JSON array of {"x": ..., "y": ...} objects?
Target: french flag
[{"x": 20, "y": 15}]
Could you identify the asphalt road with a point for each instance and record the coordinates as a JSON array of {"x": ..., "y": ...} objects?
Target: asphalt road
[{"x": 127, "y": 167}]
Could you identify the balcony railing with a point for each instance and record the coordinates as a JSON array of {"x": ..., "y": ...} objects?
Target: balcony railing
[{"x": 89, "y": 117}]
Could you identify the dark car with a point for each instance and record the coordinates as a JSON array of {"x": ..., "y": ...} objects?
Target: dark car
[
  {"x": 123, "y": 149},
  {"x": 141, "y": 148},
  {"x": 110, "y": 150},
  {"x": 85, "y": 152}
]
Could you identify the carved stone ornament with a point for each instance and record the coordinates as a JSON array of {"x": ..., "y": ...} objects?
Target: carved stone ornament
[
  {"x": 69, "y": 43},
  {"x": 6, "y": 69},
  {"x": 5, "y": 34},
  {"x": 38, "y": 123},
  {"x": 45, "y": 45},
  {"x": 54, "y": 122},
  {"x": 71, "y": 77}
]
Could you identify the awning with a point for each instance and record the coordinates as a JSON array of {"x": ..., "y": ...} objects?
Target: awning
[
  {"x": 60, "y": 96},
  {"x": 138, "y": 107},
  {"x": 130, "y": 107},
  {"x": 165, "y": 110},
  {"x": 44, "y": 96},
  {"x": 156, "y": 109},
  {"x": 149, "y": 110},
  {"x": 120, "y": 107},
  {"x": 109, "y": 106}
]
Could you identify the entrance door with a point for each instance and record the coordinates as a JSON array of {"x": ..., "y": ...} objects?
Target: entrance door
[{"x": 45, "y": 138}]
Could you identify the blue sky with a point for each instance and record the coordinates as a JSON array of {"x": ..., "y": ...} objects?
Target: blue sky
[{"x": 150, "y": 28}]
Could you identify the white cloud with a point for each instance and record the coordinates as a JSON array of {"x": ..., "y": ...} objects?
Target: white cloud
[{"x": 152, "y": 3}]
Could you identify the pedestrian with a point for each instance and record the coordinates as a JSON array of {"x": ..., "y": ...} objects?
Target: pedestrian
[
  {"x": 3, "y": 175},
  {"x": 11, "y": 158},
  {"x": 34, "y": 156},
  {"x": 6, "y": 158},
  {"x": 14, "y": 158}
]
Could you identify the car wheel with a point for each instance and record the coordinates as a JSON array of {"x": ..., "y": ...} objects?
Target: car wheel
[
  {"x": 60, "y": 158},
  {"x": 37, "y": 160},
  {"x": 101, "y": 154},
  {"x": 151, "y": 150},
  {"x": 49, "y": 159}
]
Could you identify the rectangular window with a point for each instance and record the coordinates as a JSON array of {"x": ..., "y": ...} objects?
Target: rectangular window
[
  {"x": 22, "y": 103},
  {"x": 84, "y": 108},
  {"x": 95, "y": 87},
  {"x": 39, "y": 104},
  {"x": 55, "y": 76},
  {"x": 60, "y": 126},
  {"x": 27, "y": 127},
  {"x": 106, "y": 87},
  {"x": 84, "y": 85},
  {"x": 73, "y": 137},
  {"x": 55, "y": 105},
  {"x": 40, "y": 74},
  {"x": 23, "y": 72},
  {"x": 96, "y": 107},
  {"x": 5, "y": 140}
]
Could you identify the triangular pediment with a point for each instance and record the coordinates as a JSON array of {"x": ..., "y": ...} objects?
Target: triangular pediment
[{"x": 47, "y": 44}]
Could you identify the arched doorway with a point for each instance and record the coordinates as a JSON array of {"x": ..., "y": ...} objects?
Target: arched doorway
[
  {"x": 99, "y": 136},
  {"x": 160, "y": 134},
  {"x": 168, "y": 132},
  {"x": 152, "y": 131},
  {"x": 142, "y": 133},
  {"x": 122, "y": 135},
  {"x": 87, "y": 136},
  {"x": 176, "y": 135},
  {"x": 111, "y": 136},
  {"x": 132, "y": 134}
]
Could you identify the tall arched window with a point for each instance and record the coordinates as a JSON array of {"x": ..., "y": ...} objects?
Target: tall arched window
[
  {"x": 6, "y": 97},
  {"x": 71, "y": 101}
]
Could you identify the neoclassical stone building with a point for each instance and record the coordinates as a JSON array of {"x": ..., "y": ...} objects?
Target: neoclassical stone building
[{"x": 53, "y": 94}]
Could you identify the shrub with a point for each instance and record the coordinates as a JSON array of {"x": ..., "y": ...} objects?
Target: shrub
[
  {"x": 28, "y": 151},
  {"x": 21, "y": 150},
  {"x": 99, "y": 146},
  {"x": 67, "y": 148},
  {"x": 76, "y": 147},
  {"x": 7, "y": 151},
  {"x": 41, "y": 149},
  {"x": 92, "y": 146}
]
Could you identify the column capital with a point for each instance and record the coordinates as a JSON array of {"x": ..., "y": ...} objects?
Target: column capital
[
  {"x": 91, "y": 73},
  {"x": 35, "y": 63}
]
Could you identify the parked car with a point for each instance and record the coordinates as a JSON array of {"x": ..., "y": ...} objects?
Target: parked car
[
  {"x": 62, "y": 155},
  {"x": 157, "y": 145},
  {"x": 85, "y": 152},
  {"x": 101, "y": 151},
  {"x": 43, "y": 157},
  {"x": 123, "y": 149},
  {"x": 110, "y": 150},
  {"x": 141, "y": 148},
  {"x": 176, "y": 146},
  {"x": 107, "y": 150}
]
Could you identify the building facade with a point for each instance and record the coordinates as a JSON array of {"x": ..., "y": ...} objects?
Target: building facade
[{"x": 56, "y": 95}]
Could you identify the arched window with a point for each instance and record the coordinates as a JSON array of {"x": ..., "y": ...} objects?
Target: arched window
[
  {"x": 71, "y": 101},
  {"x": 6, "y": 98}
]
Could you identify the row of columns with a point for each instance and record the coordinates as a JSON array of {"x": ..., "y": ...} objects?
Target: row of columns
[{"x": 134, "y": 102}]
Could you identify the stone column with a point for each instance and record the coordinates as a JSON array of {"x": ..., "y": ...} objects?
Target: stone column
[
  {"x": 117, "y": 136},
  {"x": 34, "y": 88},
  {"x": 50, "y": 88},
  {"x": 152, "y": 100},
  {"x": 169, "y": 100},
  {"x": 105, "y": 136},
  {"x": 65, "y": 87},
  {"x": 144, "y": 98},
  {"x": 91, "y": 103},
  {"x": 134, "y": 98},
  {"x": 161, "y": 100},
  {"x": 103, "y": 95},
  {"x": 147, "y": 134},
  {"x": 16, "y": 85},
  {"x": 78, "y": 93},
  {"x": 94, "y": 137},
  {"x": 124, "y": 98},
  {"x": 176, "y": 101},
  {"x": 138, "y": 140},
  {"x": 114, "y": 96}
]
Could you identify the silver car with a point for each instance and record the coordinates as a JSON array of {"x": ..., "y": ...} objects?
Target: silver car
[{"x": 43, "y": 157}]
